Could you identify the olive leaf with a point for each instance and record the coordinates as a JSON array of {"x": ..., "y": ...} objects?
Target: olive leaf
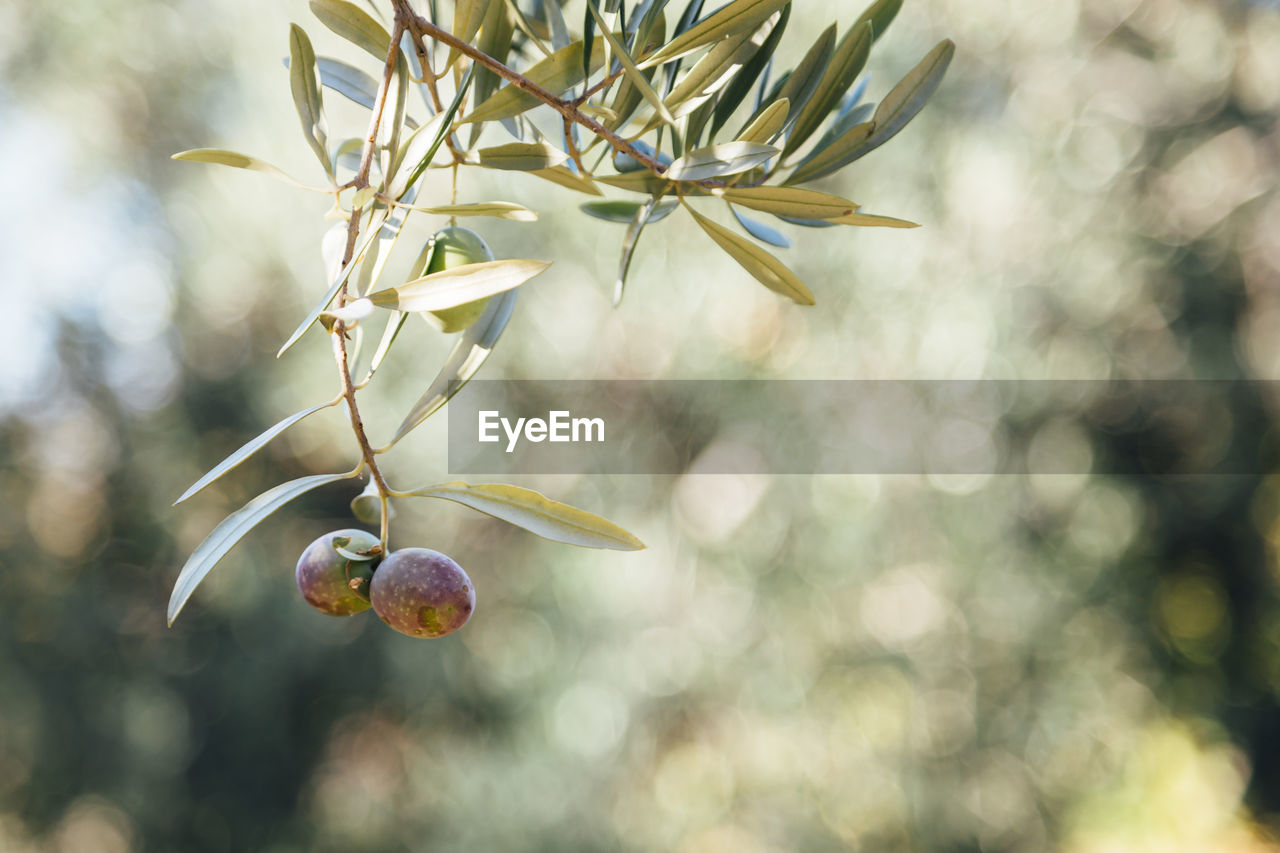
[
  {"x": 535, "y": 513},
  {"x": 751, "y": 71},
  {"x": 715, "y": 160},
  {"x": 459, "y": 285},
  {"x": 495, "y": 40},
  {"x": 417, "y": 148},
  {"x": 520, "y": 156},
  {"x": 764, "y": 267},
  {"x": 907, "y": 98},
  {"x": 645, "y": 214},
  {"x": 624, "y": 212},
  {"x": 847, "y": 61},
  {"x": 736, "y": 17},
  {"x": 353, "y": 24},
  {"x": 634, "y": 74},
  {"x": 233, "y": 528},
  {"x": 837, "y": 154},
  {"x": 236, "y": 160},
  {"x": 468, "y": 15},
  {"x": 788, "y": 201},
  {"x": 879, "y": 14},
  {"x": 567, "y": 178},
  {"x": 366, "y": 507},
  {"x": 807, "y": 76},
  {"x": 498, "y": 209},
  {"x": 871, "y": 219},
  {"x": 762, "y": 232},
  {"x": 305, "y": 83},
  {"x": 250, "y": 447},
  {"x": 468, "y": 354},
  {"x": 395, "y": 322},
  {"x": 768, "y": 124}
]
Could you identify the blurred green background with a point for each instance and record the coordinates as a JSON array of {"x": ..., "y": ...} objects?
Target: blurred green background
[{"x": 796, "y": 663}]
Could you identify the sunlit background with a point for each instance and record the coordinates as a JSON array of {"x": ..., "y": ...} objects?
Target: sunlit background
[{"x": 1079, "y": 663}]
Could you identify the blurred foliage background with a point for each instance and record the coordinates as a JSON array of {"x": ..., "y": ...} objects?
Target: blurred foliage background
[{"x": 1081, "y": 663}]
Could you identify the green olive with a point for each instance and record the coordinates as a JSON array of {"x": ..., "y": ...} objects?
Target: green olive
[{"x": 456, "y": 247}]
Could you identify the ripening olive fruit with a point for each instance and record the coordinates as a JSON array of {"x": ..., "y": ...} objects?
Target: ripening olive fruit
[
  {"x": 422, "y": 593},
  {"x": 456, "y": 247},
  {"x": 325, "y": 577}
]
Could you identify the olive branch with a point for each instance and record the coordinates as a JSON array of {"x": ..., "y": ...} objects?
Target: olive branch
[{"x": 654, "y": 106}]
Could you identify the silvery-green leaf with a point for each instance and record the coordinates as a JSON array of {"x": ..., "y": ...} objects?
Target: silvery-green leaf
[
  {"x": 788, "y": 201},
  {"x": 762, "y": 232},
  {"x": 907, "y": 98},
  {"x": 736, "y": 91},
  {"x": 349, "y": 81},
  {"x": 857, "y": 114},
  {"x": 495, "y": 40},
  {"x": 634, "y": 74},
  {"x": 808, "y": 223},
  {"x": 559, "y": 71},
  {"x": 305, "y": 84},
  {"x": 624, "y": 212},
  {"x": 238, "y": 161},
  {"x": 880, "y": 14},
  {"x": 468, "y": 354},
  {"x": 459, "y": 285},
  {"x": 766, "y": 126},
  {"x": 836, "y": 155},
  {"x": 520, "y": 156},
  {"x": 468, "y": 15},
  {"x": 536, "y": 513},
  {"x": 847, "y": 61},
  {"x": 868, "y": 219},
  {"x": 395, "y": 322},
  {"x": 555, "y": 23},
  {"x": 637, "y": 182},
  {"x": 497, "y": 209},
  {"x": 807, "y": 76},
  {"x": 764, "y": 267},
  {"x": 426, "y": 140},
  {"x": 736, "y": 17},
  {"x": 232, "y": 529},
  {"x": 624, "y": 162},
  {"x": 250, "y": 447},
  {"x": 642, "y": 217},
  {"x": 568, "y": 179},
  {"x": 355, "y": 25},
  {"x": 716, "y": 160},
  {"x": 709, "y": 75}
]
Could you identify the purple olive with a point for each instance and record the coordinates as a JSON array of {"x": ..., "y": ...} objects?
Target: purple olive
[
  {"x": 422, "y": 593},
  {"x": 325, "y": 577}
]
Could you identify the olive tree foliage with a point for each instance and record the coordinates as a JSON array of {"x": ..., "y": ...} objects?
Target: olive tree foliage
[{"x": 680, "y": 108}]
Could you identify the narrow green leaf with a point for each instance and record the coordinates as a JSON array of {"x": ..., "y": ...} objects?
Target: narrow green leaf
[
  {"x": 353, "y": 24},
  {"x": 709, "y": 74},
  {"x": 848, "y": 60},
  {"x": 634, "y": 74},
  {"x": 535, "y": 513},
  {"x": 766, "y": 126},
  {"x": 251, "y": 447},
  {"x": 526, "y": 26},
  {"x": 305, "y": 84},
  {"x": 458, "y": 286},
  {"x": 738, "y": 89},
  {"x": 495, "y": 40},
  {"x": 872, "y": 220},
  {"x": 715, "y": 160},
  {"x": 838, "y": 154},
  {"x": 588, "y": 38},
  {"x": 567, "y": 178},
  {"x": 239, "y": 161},
  {"x": 643, "y": 216},
  {"x": 232, "y": 529},
  {"x": 468, "y": 354},
  {"x": 315, "y": 312},
  {"x": 468, "y": 15},
  {"x": 807, "y": 76},
  {"x": 395, "y": 322},
  {"x": 907, "y": 98},
  {"x": 736, "y": 17},
  {"x": 436, "y": 130},
  {"x": 555, "y": 23},
  {"x": 788, "y": 201},
  {"x": 559, "y": 71},
  {"x": 760, "y": 231},
  {"x": 521, "y": 156},
  {"x": 879, "y": 14},
  {"x": 764, "y": 267},
  {"x": 497, "y": 209},
  {"x": 624, "y": 212},
  {"x": 637, "y": 182}
]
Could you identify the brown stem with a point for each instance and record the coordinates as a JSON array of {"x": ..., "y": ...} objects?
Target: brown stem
[{"x": 339, "y": 334}]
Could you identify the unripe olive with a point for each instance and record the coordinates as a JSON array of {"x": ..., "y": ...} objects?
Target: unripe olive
[
  {"x": 422, "y": 593},
  {"x": 456, "y": 247},
  {"x": 325, "y": 577}
]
